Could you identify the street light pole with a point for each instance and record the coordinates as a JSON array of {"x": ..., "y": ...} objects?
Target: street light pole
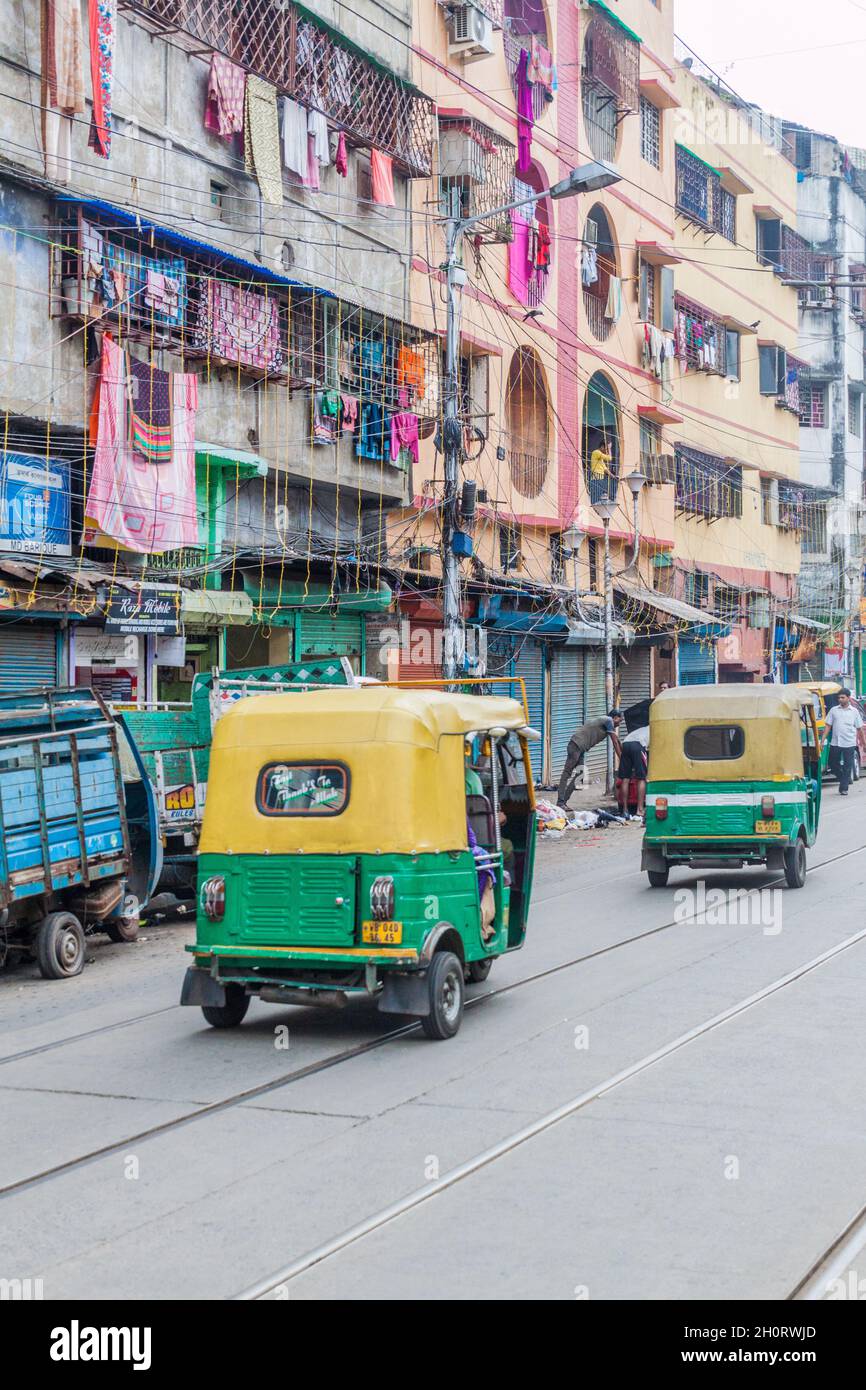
[
  {"x": 605, "y": 508},
  {"x": 586, "y": 179}
]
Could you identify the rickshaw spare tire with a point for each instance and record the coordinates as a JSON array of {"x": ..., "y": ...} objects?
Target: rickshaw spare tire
[
  {"x": 795, "y": 865},
  {"x": 445, "y": 991},
  {"x": 658, "y": 878},
  {"x": 60, "y": 946},
  {"x": 232, "y": 1012},
  {"x": 478, "y": 970}
]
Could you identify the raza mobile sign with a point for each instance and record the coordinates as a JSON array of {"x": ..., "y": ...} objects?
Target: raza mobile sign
[
  {"x": 34, "y": 505},
  {"x": 144, "y": 611}
]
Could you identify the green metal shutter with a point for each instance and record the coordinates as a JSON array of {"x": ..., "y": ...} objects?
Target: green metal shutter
[
  {"x": 328, "y": 634},
  {"x": 28, "y": 657},
  {"x": 696, "y": 662},
  {"x": 529, "y": 663},
  {"x": 566, "y": 704}
]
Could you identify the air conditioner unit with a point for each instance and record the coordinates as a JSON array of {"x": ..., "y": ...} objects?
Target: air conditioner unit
[{"x": 471, "y": 34}]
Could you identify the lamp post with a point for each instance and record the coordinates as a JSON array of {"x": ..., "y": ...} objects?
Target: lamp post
[
  {"x": 605, "y": 507},
  {"x": 636, "y": 482},
  {"x": 573, "y": 539},
  {"x": 587, "y": 178}
]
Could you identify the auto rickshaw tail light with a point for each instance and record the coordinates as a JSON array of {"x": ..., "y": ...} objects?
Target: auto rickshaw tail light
[
  {"x": 661, "y": 808},
  {"x": 214, "y": 898},
  {"x": 768, "y": 807},
  {"x": 382, "y": 898}
]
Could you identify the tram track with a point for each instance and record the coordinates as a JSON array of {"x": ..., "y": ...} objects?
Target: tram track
[
  {"x": 839, "y": 1255},
  {"x": 209, "y": 1109}
]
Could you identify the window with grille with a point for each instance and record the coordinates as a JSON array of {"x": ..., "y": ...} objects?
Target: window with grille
[
  {"x": 647, "y": 293},
  {"x": 855, "y": 413},
  {"x": 813, "y": 406},
  {"x": 509, "y": 548},
  {"x": 700, "y": 336},
  {"x": 701, "y": 197},
  {"x": 650, "y": 450},
  {"x": 650, "y": 133},
  {"x": 706, "y": 486},
  {"x": 697, "y": 588}
]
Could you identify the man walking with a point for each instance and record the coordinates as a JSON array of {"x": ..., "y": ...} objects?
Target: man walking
[
  {"x": 843, "y": 722},
  {"x": 594, "y": 731}
]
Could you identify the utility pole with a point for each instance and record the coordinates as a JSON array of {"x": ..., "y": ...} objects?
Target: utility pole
[
  {"x": 605, "y": 507},
  {"x": 587, "y": 179}
]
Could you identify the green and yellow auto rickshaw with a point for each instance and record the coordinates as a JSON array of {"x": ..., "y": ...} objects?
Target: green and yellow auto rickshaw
[
  {"x": 734, "y": 779},
  {"x": 336, "y": 854}
]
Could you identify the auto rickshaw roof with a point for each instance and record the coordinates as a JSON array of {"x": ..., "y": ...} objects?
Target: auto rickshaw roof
[
  {"x": 821, "y": 687},
  {"x": 373, "y": 714},
  {"x": 730, "y": 701}
]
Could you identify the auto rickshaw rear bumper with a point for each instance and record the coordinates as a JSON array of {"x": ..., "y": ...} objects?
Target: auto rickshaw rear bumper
[{"x": 716, "y": 853}]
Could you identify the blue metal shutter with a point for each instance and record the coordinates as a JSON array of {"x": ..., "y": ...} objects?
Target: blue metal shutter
[
  {"x": 566, "y": 704},
  {"x": 28, "y": 657},
  {"x": 529, "y": 663},
  {"x": 696, "y": 662},
  {"x": 595, "y": 707}
]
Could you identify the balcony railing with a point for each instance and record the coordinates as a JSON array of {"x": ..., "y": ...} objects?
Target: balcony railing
[
  {"x": 707, "y": 486},
  {"x": 512, "y": 43},
  {"x": 479, "y": 163},
  {"x": 701, "y": 197},
  {"x": 528, "y": 471},
  {"x": 302, "y": 58},
  {"x": 611, "y": 61},
  {"x": 594, "y": 307}
]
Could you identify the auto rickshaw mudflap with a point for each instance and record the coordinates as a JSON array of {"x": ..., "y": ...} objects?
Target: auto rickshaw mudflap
[
  {"x": 405, "y": 994},
  {"x": 200, "y": 987}
]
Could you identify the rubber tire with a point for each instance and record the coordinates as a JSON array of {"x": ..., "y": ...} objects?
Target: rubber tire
[
  {"x": 658, "y": 878},
  {"x": 795, "y": 865},
  {"x": 57, "y": 927},
  {"x": 444, "y": 967},
  {"x": 858, "y": 770},
  {"x": 232, "y": 1012},
  {"x": 478, "y": 970},
  {"x": 122, "y": 929}
]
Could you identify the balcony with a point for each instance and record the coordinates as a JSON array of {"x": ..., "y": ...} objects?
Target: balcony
[
  {"x": 701, "y": 198},
  {"x": 304, "y": 60},
  {"x": 611, "y": 61},
  {"x": 528, "y": 472},
  {"x": 476, "y": 172},
  {"x": 594, "y": 307},
  {"x": 512, "y": 43}
]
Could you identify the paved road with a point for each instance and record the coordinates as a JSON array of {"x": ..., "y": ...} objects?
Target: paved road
[{"x": 704, "y": 1076}]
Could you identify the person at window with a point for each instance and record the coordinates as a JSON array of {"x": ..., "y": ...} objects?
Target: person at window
[
  {"x": 843, "y": 725},
  {"x": 599, "y": 471},
  {"x": 593, "y": 732}
]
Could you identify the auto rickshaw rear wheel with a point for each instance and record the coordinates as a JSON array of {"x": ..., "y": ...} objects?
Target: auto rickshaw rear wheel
[
  {"x": 478, "y": 970},
  {"x": 658, "y": 878},
  {"x": 445, "y": 991},
  {"x": 795, "y": 865},
  {"x": 125, "y": 928},
  {"x": 232, "y": 1012},
  {"x": 60, "y": 946}
]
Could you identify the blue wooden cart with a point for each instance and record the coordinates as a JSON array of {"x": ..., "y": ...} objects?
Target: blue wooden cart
[{"x": 79, "y": 845}]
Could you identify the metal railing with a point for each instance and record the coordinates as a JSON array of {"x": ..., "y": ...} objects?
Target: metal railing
[{"x": 594, "y": 308}]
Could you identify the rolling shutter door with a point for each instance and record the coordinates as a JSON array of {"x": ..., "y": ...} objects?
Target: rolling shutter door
[
  {"x": 28, "y": 658},
  {"x": 566, "y": 704},
  {"x": 696, "y": 662},
  {"x": 422, "y": 661},
  {"x": 329, "y": 634},
  {"x": 634, "y": 679},
  {"x": 529, "y": 664},
  {"x": 596, "y": 705}
]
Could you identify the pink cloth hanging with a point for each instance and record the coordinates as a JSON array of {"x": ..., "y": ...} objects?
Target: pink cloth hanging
[
  {"x": 224, "y": 111},
  {"x": 404, "y": 435},
  {"x": 524, "y": 114},
  {"x": 382, "y": 174},
  {"x": 341, "y": 158},
  {"x": 312, "y": 179},
  {"x": 145, "y": 507},
  {"x": 518, "y": 259}
]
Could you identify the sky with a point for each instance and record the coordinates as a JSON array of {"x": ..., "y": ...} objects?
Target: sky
[{"x": 801, "y": 59}]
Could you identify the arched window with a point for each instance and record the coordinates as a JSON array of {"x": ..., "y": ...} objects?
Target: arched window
[
  {"x": 609, "y": 81},
  {"x": 530, "y": 251},
  {"x": 598, "y": 264},
  {"x": 526, "y": 415},
  {"x": 600, "y": 438}
]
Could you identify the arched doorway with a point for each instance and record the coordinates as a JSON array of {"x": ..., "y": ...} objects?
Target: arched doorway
[
  {"x": 600, "y": 436},
  {"x": 598, "y": 264},
  {"x": 527, "y": 418}
]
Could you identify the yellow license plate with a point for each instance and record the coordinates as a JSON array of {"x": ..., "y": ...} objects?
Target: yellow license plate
[
  {"x": 768, "y": 827},
  {"x": 382, "y": 933}
]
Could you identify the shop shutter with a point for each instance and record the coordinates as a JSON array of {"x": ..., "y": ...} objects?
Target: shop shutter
[
  {"x": 634, "y": 679},
  {"x": 595, "y": 706},
  {"x": 566, "y": 704},
  {"x": 422, "y": 660},
  {"x": 529, "y": 664},
  {"x": 329, "y": 634},
  {"x": 28, "y": 657},
  {"x": 696, "y": 662}
]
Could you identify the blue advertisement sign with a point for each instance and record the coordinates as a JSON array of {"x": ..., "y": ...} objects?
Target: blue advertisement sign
[{"x": 34, "y": 505}]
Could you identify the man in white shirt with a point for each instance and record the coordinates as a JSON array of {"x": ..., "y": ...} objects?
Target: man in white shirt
[
  {"x": 633, "y": 764},
  {"x": 843, "y": 723}
]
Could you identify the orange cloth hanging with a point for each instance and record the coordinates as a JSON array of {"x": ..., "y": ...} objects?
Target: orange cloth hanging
[
  {"x": 382, "y": 172},
  {"x": 410, "y": 369}
]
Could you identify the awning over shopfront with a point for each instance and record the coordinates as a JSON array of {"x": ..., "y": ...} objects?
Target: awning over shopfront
[
  {"x": 238, "y": 461},
  {"x": 699, "y": 621},
  {"x": 812, "y": 624},
  {"x": 205, "y": 608}
]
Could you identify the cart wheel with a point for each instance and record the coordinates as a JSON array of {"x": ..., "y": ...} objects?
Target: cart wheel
[
  {"x": 60, "y": 946},
  {"x": 795, "y": 865},
  {"x": 125, "y": 928},
  {"x": 445, "y": 991},
  {"x": 232, "y": 1012},
  {"x": 857, "y": 771},
  {"x": 478, "y": 970},
  {"x": 658, "y": 878}
]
